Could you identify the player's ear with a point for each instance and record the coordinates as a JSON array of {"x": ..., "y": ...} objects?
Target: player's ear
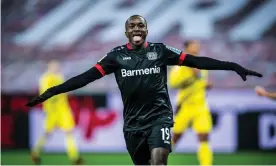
[{"x": 127, "y": 35}]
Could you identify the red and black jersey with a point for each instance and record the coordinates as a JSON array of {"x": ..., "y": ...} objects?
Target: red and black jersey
[{"x": 141, "y": 76}]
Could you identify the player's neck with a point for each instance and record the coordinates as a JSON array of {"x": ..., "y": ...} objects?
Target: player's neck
[
  {"x": 137, "y": 47},
  {"x": 191, "y": 53},
  {"x": 134, "y": 47},
  {"x": 52, "y": 72}
]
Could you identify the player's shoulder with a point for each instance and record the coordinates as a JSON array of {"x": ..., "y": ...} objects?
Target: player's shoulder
[
  {"x": 114, "y": 52},
  {"x": 151, "y": 44},
  {"x": 117, "y": 49},
  {"x": 164, "y": 46},
  {"x": 158, "y": 44},
  {"x": 173, "y": 49},
  {"x": 48, "y": 75},
  {"x": 159, "y": 47},
  {"x": 44, "y": 78},
  {"x": 45, "y": 75}
]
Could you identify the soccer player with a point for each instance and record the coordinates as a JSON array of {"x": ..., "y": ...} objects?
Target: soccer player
[
  {"x": 192, "y": 107},
  {"x": 262, "y": 92},
  {"x": 58, "y": 115},
  {"x": 140, "y": 69}
]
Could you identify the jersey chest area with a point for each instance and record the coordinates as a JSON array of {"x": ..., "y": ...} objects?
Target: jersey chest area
[{"x": 132, "y": 64}]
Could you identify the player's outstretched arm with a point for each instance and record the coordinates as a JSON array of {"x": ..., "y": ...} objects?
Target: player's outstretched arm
[
  {"x": 213, "y": 64},
  {"x": 262, "y": 92},
  {"x": 105, "y": 66},
  {"x": 72, "y": 84},
  {"x": 177, "y": 57}
]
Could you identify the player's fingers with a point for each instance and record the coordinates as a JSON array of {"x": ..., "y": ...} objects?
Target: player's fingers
[
  {"x": 256, "y": 74},
  {"x": 244, "y": 78},
  {"x": 29, "y": 104},
  {"x": 242, "y": 75},
  {"x": 33, "y": 102},
  {"x": 253, "y": 73}
]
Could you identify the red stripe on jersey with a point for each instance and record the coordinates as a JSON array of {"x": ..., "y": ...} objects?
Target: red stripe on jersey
[
  {"x": 101, "y": 70},
  {"x": 130, "y": 48},
  {"x": 146, "y": 44},
  {"x": 181, "y": 58}
]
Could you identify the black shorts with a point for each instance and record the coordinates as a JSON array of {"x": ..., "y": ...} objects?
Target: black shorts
[{"x": 140, "y": 144}]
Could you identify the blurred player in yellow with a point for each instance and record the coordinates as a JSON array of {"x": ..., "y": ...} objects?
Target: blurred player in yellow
[
  {"x": 58, "y": 115},
  {"x": 192, "y": 107}
]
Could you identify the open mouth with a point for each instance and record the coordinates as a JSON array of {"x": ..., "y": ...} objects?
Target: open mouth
[{"x": 137, "y": 37}]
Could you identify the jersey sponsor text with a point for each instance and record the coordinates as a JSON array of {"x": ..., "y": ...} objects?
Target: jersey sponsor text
[{"x": 146, "y": 71}]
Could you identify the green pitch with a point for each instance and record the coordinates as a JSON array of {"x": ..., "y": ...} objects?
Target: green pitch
[{"x": 242, "y": 158}]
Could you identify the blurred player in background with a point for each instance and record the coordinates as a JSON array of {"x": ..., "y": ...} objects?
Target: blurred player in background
[
  {"x": 192, "y": 106},
  {"x": 58, "y": 115},
  {"x": 262, "y": 92}
]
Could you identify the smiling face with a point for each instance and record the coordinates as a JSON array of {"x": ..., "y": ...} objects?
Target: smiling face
[{"x": 136, "y": 30}]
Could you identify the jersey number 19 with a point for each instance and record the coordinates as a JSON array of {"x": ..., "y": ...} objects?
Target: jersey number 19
[{"x": 166, "y": 133}]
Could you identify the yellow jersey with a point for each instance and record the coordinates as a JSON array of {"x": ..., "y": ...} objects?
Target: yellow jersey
[
  {"x": 58, "y": 102},
  {"x": 191, "y": 88}
]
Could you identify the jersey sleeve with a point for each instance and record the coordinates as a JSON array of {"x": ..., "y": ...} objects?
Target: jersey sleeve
[
  {"x": 107, "y": 64},
  {"x": 173, "y": 55}
]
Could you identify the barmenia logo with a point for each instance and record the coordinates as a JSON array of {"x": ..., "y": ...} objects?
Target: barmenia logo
[{"x": 146, "y": 71}]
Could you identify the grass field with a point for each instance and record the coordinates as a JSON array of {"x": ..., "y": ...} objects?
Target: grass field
[{"x": 242, "y": 158}]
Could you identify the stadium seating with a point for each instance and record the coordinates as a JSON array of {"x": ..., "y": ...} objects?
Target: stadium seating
[{"x": 27, "y": 60}]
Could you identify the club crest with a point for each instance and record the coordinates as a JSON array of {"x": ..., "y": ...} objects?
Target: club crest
[{"x": 152, "y": 55}]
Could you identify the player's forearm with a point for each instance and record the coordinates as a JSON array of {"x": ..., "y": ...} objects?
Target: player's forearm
[
  {"x": 271, "y": 95},
  {"x": 76, "y": 82},
  {"x": 208, "y": 63}
]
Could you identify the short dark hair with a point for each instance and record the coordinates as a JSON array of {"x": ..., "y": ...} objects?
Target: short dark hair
[
  {"x": 187, "y": 43},
  {"x": 133, "y": 16}
]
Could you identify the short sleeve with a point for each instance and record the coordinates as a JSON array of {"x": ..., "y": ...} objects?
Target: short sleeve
[
  {"x": 173, "y": 55},
  {"x": 107, "y": 64}
]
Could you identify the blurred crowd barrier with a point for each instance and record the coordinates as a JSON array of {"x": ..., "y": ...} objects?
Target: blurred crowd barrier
[{"x": 242, "y": 121}]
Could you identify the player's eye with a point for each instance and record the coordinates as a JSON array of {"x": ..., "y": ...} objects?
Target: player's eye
[
  {"x": 131, "y": 26},
  {"x": 141, "y": 25}
]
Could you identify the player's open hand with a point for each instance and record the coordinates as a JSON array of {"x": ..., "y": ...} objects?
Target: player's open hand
[
  {"x": 260, "y": 91},
  {"x": 243, "y": 72},
  {"x": 46, "y": 95}
]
